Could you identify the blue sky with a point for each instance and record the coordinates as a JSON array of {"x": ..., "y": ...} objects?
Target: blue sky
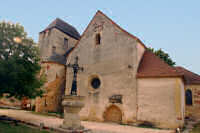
[{"x": 173, "y": 25}]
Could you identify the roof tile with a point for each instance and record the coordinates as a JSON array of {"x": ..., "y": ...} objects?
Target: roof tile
[
  {"x": 153, "y": 66},
  {"x": 189, "y": 77},
  {"x": 64, "y": 27}
]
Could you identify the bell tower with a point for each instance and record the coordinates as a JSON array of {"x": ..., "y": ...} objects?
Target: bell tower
[{"x": 55, "y": 43}]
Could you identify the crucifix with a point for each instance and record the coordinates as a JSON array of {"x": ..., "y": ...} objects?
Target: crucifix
[{"x": 76, "y": 68}]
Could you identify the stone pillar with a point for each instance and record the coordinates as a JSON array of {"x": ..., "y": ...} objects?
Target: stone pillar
[{"x": 72, "y": 106}]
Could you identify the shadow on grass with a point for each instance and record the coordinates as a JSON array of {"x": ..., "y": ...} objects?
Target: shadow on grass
[{"x": 9, "y": 127}]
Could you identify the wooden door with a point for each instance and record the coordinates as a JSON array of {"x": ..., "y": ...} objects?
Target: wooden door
[{"x": 113, "y": 114}]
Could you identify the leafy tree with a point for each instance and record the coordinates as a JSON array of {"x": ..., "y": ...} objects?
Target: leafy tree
[
  {"x": 19, "y": 63},
  {"x": 163, "y": 55}
]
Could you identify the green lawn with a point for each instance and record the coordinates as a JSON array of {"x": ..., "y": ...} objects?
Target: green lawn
[
  {"x": 7, "y": 127},
  {"x": 196, "y": 129}
]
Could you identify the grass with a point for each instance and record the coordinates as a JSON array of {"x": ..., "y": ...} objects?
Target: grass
[
  {"x": 8, "y": 127},
  {"x": 196, "y": 129}
]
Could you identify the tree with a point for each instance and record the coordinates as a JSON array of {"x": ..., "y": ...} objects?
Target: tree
[
  {"x": 19, "y": 63},
  {"x": 163, "y": 55}
]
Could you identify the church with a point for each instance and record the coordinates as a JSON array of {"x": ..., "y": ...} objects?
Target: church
[{"x": 122, "y": 81}]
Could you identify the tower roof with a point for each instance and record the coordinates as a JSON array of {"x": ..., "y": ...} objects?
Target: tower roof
[{"x": 64, "y": 27}]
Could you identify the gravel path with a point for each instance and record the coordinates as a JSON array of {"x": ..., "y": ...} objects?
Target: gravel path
[{"x": 96, "y": 127}]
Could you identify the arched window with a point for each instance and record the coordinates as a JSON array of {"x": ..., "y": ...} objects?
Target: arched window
[
  {"x": 188, "y": 97},
  {"x": 98, "y": 39}
]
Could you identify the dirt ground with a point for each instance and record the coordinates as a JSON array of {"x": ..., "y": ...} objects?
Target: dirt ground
[{"x": 54, "y": 122}]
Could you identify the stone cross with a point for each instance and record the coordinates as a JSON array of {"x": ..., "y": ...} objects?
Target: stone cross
[{"x": 76, "y": 68}]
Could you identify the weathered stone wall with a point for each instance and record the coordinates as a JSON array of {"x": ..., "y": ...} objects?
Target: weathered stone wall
[
  {"x": 54, "y": 38},
  {"x": 53, "y": 50},
  {"x": 194, "y": 109},
  {"x": 161, "y": 101},
  {"x": 114, "y": 62},
  {"x": 140, "y": 52},
  {"x": 54, "y": 88}
]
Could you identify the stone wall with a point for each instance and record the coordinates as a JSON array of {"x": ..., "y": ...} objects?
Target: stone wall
[
  {"x": 194, "y": 109},
  {"x": 53, "y": 50},
  {"x": 54, "y": 38},
  {"x": 140, "y": 52},
  {"x": 54, "y": 88},
  {"x": 114, "y": 62},
  {"x": 161, "y": 101}
]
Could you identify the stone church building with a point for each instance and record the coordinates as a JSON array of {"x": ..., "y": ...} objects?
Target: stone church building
[{"x": 122, "y": 81}]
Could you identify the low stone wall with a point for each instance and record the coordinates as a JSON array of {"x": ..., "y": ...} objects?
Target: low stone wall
[{"x": 11, "y": 102}]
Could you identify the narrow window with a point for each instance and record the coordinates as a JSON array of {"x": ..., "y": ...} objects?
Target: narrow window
[
  {"x": 98, "y": 39},
  {"x": 188, "y": 96},
  {"x": 54, "y": 49},
  {"x": 65, "y": 43}
]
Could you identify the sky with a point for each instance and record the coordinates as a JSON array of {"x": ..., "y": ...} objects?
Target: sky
[{"x": 172, "y": 25}]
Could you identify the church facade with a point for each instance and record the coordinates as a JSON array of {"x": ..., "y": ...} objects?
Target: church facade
[{"x": 122, "y": 81}]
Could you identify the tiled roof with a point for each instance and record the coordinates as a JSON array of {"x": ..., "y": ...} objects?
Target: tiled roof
[
  {"x": 153, "y": 66},
  {"x": 64, "y": 27},
  {"x": 189, "y": 77},
  {"x": 61, "y": 59}
]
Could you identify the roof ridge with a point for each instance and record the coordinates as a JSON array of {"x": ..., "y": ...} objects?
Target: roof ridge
[
  {"x": 136, "y": 38},
  {"x": 66, "y": 23},
  {"x": 189, "y": 76},
  {"x": 64, "y": 27},
  {"x": 84, "y": 32},
  {"x": 98, "y": 11},
  {"x": 56, "y": 21},
  {"x": 188, "y": 70},
  {"x": 172, "y": 67}
]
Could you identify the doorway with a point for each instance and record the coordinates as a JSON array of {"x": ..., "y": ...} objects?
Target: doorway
[{"x": 113, "y": 114}]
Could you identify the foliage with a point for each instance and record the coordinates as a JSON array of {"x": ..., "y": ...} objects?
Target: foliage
[
  {"x": 163, "y": 55},
  {"x": 19, "y": 63},
  {"x": 7, "y": 127}
]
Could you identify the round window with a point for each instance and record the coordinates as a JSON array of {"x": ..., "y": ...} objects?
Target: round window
[{"x": 95, "y": 82}]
